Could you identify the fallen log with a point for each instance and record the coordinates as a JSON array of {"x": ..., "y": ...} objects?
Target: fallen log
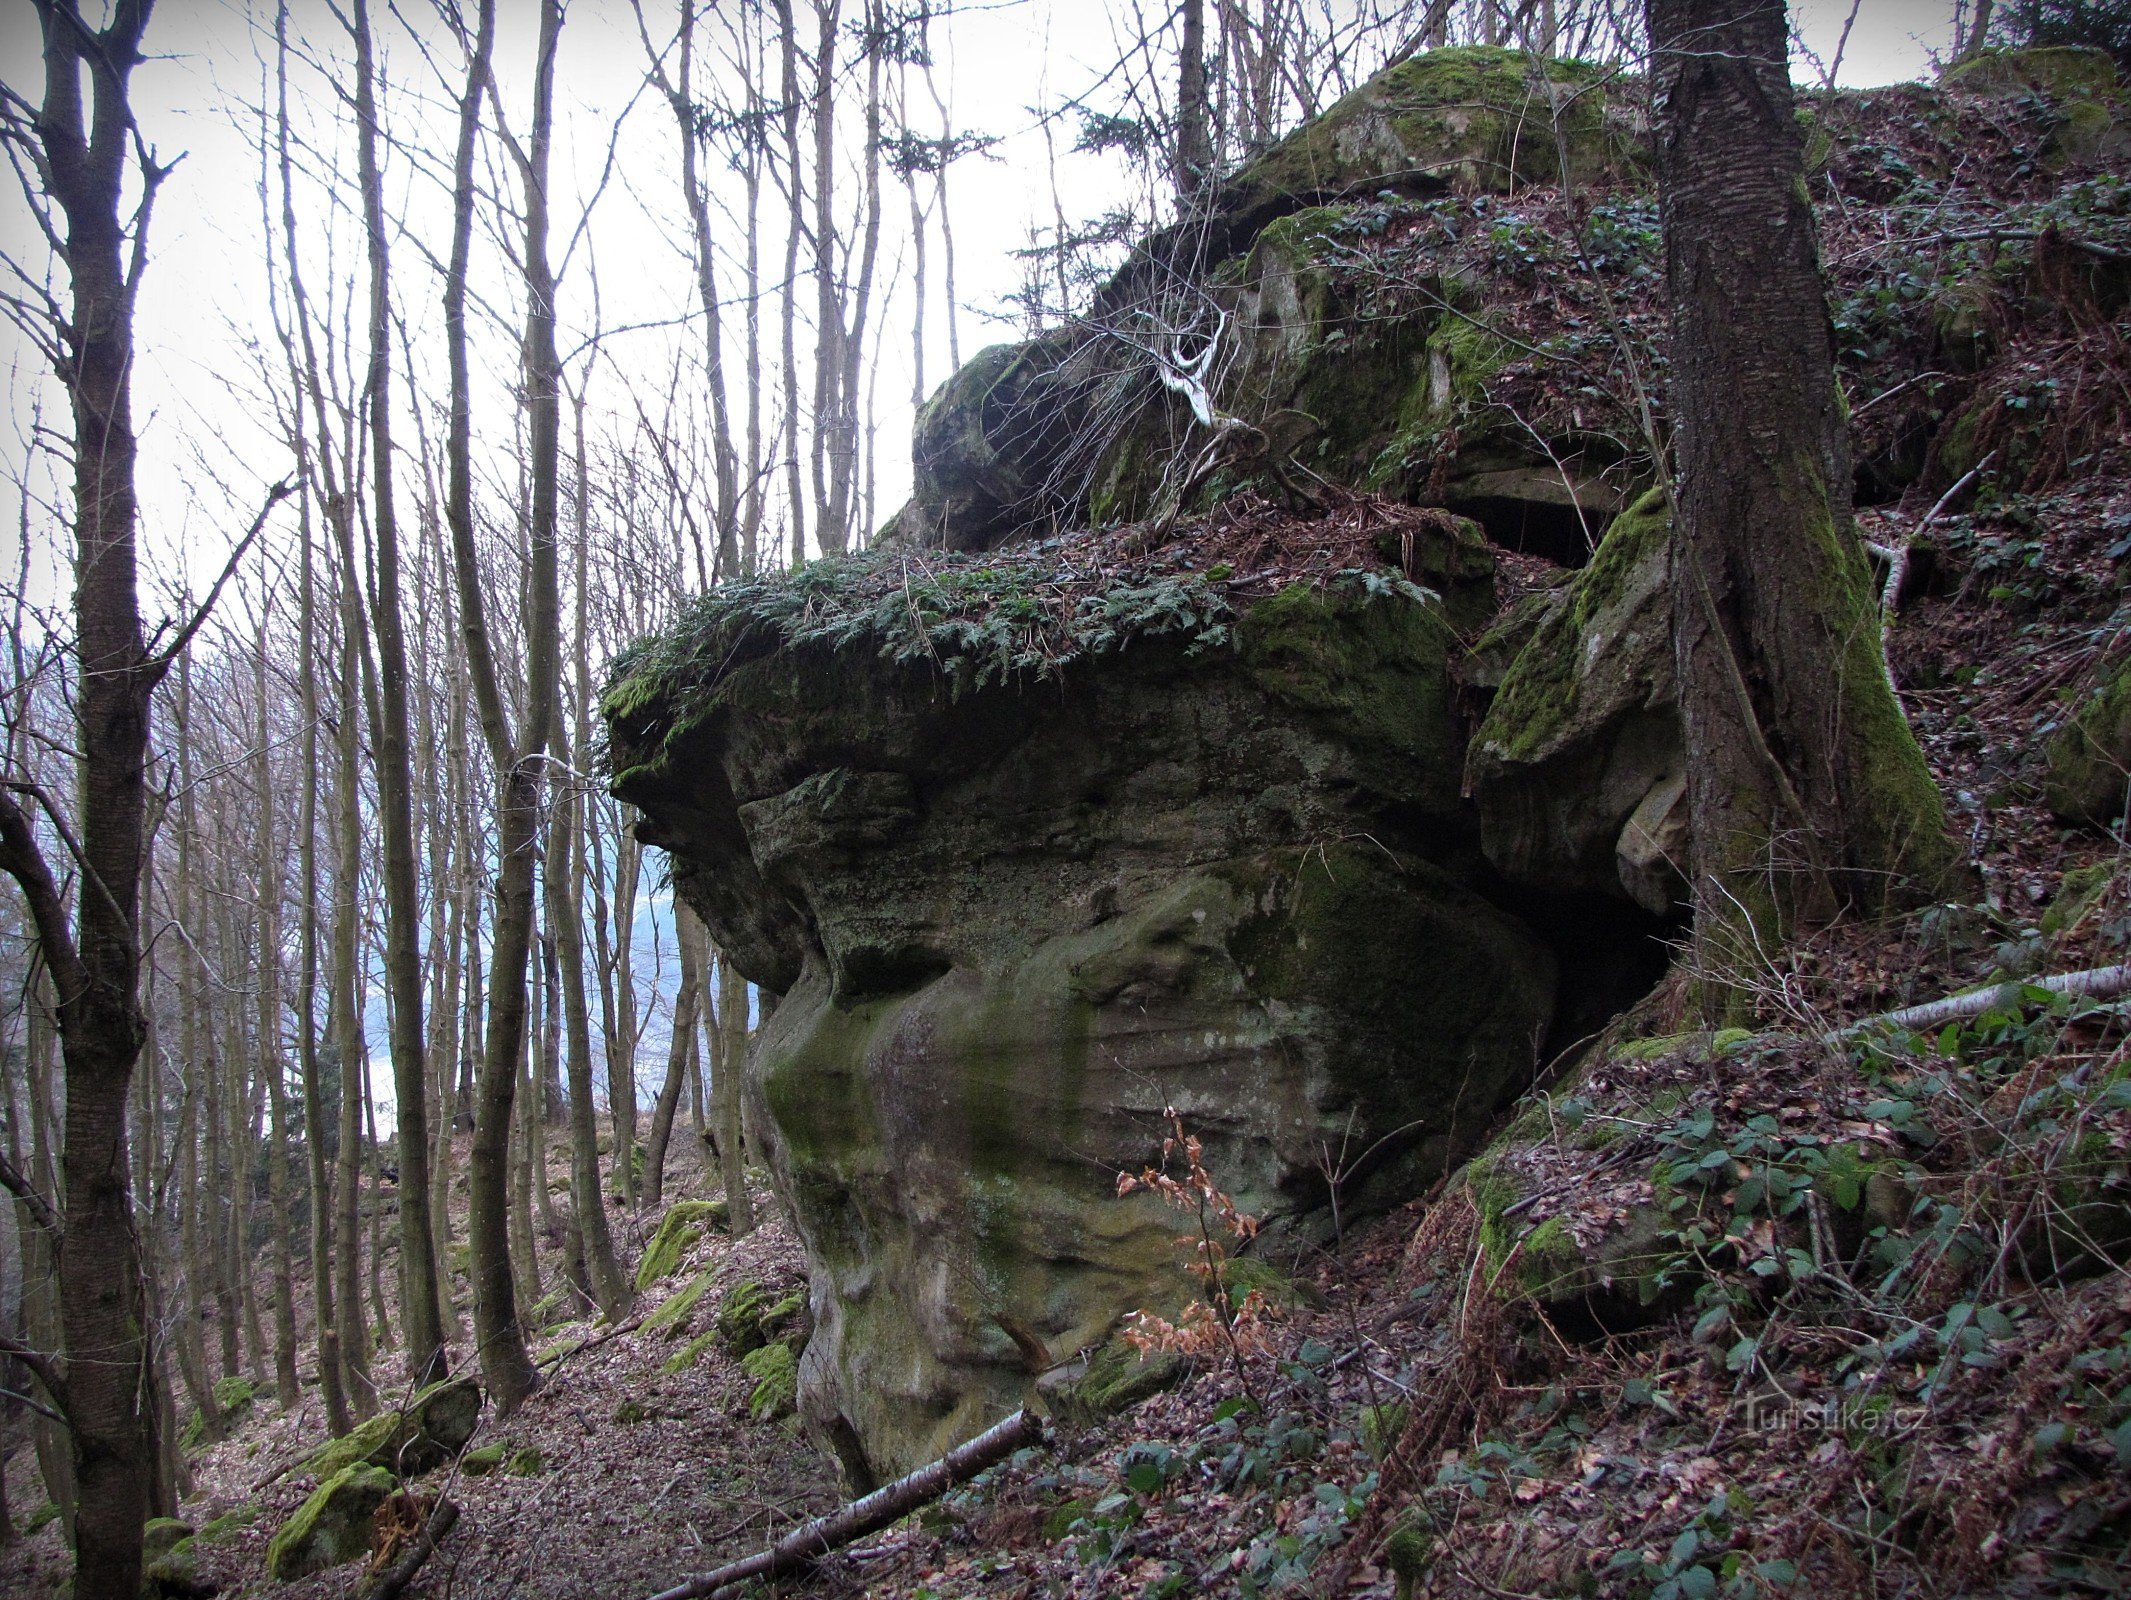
[
  {"x": 2095, "y": 983},
  {"x": 396, "y": 1577},
  {"x": 808, "y": 1543}
]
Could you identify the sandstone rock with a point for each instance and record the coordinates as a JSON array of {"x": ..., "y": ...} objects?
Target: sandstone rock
[
  {"x": 1579, "y": 767},
  {"x": 331, "y": 1527},
  {"x": 679, "y": 1230},
  {"x": 776, "y": 1373},
  {"x": 428, "y": 1431},
  {"x": 1013, "y": 923},
  {"x": 1073, "y": 424},
  {"x": 2089, "y": 757}
]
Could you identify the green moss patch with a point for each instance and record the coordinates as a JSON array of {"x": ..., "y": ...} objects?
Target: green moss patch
[
  {"x": 332, "y": 1526},
  {"x": 679, "y": 1231},
  {"x": 775, "y": 1370}
]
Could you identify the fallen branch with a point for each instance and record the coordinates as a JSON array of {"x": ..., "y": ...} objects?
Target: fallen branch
[
  {"x": 808, "y": 1543},
  {"x": 397, "y": 1576},
  {"x": 2096, "y": 983}
]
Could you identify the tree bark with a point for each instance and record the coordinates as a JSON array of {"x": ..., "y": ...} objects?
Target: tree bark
[
  {"x": 94, "y": 954},
  {"x": 1194, "y": 132},
  {"x": 726, "y": 1068},
  {"x": 1807, "y": 793},
  {"x": 421, "y": 1312}
]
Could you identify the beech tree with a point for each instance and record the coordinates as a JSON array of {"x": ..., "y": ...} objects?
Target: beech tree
[
  {"x": 79, "y": 147},
  {"x": 1807, "y": 793}
]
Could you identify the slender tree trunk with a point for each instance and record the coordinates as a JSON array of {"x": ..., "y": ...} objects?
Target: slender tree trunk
[
  {"x": 1807, "y": 793},
  {"x": 1194, "y": 132},
  {"x": 788, "y": 302},
  {"x": 349, "y": 1045},
  {"x": 94, "y": 954},
  {"x": 421, "y": 1313},
  {"x": 505, "y": 1365},
  {"x": 43, "y": 1326},
  {"x": 688, "y": 938},
  {"x": 729, "y": 1064},
  {"x": 286, "y": 1389}
]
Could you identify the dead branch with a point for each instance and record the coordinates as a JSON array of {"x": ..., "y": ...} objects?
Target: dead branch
[
  {"x": 806, "y": 1544},
  {"x": 397, "y": 1576},
  {"x": 2095, "y": 983}
]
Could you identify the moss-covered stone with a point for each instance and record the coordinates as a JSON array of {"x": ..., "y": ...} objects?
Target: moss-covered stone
[
  {"x": 1117, "y": 1378},
  {"x": 671, "y": 1318},
  {"x": 527, "y": 1461},
  {"x": 2089, "y": 757},
  {"x": 1410, "y": 1552},
  {"x": 1578, "y": 767},
  {"x": 679, "y": 1231},
  {"x": 776, "y": 1373},
  {"x": 216, "y": 1529},
  {"x": 750, "y": 1316},
  {"x": 1010, "y": 926},
  {"x": 2060, "y": 71},
  {"x": 685, "y": 1358},
  {"x": 332, "y": 1526},
  {"x": 159, "y": 1534},
  {"x": 429, "y": 1430},
  {"x": 483, "y": 1459}
]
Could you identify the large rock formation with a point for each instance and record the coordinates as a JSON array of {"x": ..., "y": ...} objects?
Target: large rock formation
[
  {"x": 1321, "y": 366},
  {"x": 1224, "y": 868},
  {"x": 1039, "y": 840}
]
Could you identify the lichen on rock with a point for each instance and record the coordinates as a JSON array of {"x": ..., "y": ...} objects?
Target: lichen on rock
[{"x": 1212, "y": 858}]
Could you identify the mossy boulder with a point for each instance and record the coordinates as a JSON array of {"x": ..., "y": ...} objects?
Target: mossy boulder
[
  {"x": 1579, "y": 767},
  {"x": 233, "y": 1398},
  {"x": 1116, "y": 1378},
  {"x": 671, "y": 1318},
  {"x": 484, "y": 1459},
  {"x": 334, "y": 1525},
  {"x": 429, "y": 1430},
  {"x": 679, "y": 1231},
  {"x": 776, "y": 1373},
  {"x": 2081, "y": 84},
  {"x": 751, "y": 1316},
  {"x": 1013, "y": 921},
  {"x": 1325, "y": 376},
  {"x": 689, "y": 1354},
  {"x": 527, "y": 1461},
  {"x": 160, "y": 1534},
  {"x": 2089, "y": 756}
]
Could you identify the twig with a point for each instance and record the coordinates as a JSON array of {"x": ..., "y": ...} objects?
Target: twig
[
  {"x": 806, "y": 1544},
  {"x": 397, "y": 1576}
]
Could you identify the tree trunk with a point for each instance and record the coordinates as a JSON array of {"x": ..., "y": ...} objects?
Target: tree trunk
[
  {"x": 1807, "y": 793},
  {"x": 349, "y": 1045},
  {"x": 725, "y": 1086},
  {"x": 421, "y": 1314},
  {"x": 94, "y": 954},
  {"x": 1194, "y": 132},
  {"x": 688, "y": 938},
  {"x": 286, "y": 1390}
]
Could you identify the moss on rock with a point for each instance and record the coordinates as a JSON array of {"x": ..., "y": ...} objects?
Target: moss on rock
[
  {"x": 1119, "y": 1377},
  {"x": 776, "y": 1373},
  {"x": 2089, "y": 756},
  {"x": 679, "y": 1231},
  {"x": 1583, "y": 730},
  {"x": 429, "y": 1430},
  {"x": 332, "y": 1526}
]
